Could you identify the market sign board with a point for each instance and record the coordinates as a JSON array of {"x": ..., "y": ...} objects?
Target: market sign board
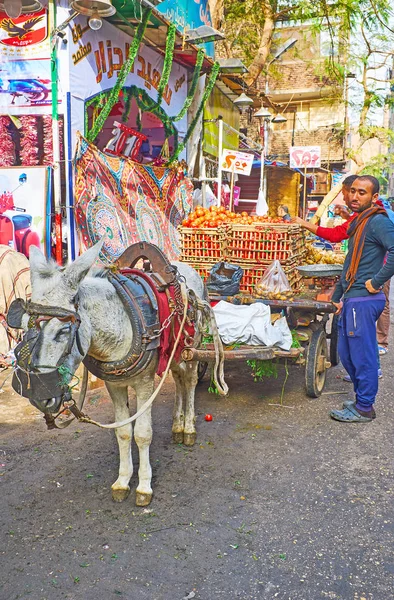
[
  {"x": 303, "y": 157},
  {"x": 237, "y": 162}
]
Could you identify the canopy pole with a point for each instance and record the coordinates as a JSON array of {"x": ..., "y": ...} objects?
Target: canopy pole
[
  {"x": 220, "y": 152},
  {"x": 57, "y": 186}
]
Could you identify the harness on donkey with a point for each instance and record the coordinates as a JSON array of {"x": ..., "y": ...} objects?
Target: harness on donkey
[{"x": 161, "y": 315}]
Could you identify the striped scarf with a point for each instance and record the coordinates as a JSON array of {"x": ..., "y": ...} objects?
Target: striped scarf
[{"x": 357, "y": 229}]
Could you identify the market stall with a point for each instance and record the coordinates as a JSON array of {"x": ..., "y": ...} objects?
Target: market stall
[{"x": 257, "y": 245}]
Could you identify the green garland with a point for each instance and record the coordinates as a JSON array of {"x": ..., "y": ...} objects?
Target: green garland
[
  {"x": 168, "y": 59},
  {"x": 193, "y": 86},
  {"x": 123, "y": 73},
  {"x": 207, "y": 92}
]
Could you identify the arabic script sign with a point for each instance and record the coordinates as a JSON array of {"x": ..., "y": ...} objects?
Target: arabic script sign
[
  {"x": 305, "y": 156},
  {"x": 97, "y": 57},
  {"x": 237, "y": 162}
]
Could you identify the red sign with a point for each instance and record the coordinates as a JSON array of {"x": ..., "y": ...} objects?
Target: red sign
[{"x": 26, "y": 30}]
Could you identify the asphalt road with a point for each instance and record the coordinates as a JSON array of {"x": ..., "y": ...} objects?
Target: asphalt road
[{"x": 271, "y": 502}]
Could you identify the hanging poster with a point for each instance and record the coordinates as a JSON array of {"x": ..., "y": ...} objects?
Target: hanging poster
[
  {"x": 23, "y": 207},
  {"x": 96, "y": 58},
  {"x": 188, "y": 14},
  {"x": 25, "y": 75}
]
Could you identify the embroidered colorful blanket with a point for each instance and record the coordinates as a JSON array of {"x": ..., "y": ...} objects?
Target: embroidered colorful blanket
[{"x": 128, "y": 202}]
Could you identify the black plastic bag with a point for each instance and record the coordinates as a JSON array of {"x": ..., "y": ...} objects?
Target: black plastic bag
[{"x": 224, "y": 279}]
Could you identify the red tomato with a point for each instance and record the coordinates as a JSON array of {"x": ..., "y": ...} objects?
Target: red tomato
[{"x": 208, "y": 417}]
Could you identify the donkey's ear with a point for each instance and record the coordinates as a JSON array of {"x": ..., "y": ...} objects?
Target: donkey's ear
[
  {"x": 75, "y": 272},
  {"x": 37, "y": 260}
]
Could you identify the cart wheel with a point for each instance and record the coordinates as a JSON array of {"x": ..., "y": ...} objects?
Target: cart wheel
[
  {"x": 316, "y": 364},
  {"x": 334, "y": 355},
  {"x": 202, "y": 369}
]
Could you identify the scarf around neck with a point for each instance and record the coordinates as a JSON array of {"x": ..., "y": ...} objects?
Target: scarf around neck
[{"x": 357, "y": 229}]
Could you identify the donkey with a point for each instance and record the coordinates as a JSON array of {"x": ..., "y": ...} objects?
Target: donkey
[{"x": 105, "y": 334}]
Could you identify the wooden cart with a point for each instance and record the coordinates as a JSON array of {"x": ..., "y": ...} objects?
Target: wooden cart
[{"x": 306, "y": 316}]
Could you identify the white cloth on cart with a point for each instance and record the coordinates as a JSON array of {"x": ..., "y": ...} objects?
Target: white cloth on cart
[{"x": 251, "y": 324}]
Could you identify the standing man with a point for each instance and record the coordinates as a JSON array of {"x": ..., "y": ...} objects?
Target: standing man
[
  {"x": 359, "y": 298},
  {"x": 340, "y": 233}
]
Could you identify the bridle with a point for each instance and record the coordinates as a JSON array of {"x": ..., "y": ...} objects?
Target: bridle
[{"x": 28, "y": 380}]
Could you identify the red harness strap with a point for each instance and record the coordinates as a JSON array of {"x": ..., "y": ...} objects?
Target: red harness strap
[{"x": 170, "y": 333}]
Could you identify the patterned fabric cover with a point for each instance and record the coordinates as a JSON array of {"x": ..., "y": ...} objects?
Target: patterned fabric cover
[{"x": 128, "y": 202}]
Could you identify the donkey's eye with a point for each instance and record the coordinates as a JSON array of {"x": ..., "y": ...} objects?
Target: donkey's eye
[{"x": 62, "y": 333}]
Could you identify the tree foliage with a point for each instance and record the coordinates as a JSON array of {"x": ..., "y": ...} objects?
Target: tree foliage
[{"x": 361, "y": 35}]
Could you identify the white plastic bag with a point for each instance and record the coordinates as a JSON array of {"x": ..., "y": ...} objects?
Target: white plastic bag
[{"x": 251, "y": 325}]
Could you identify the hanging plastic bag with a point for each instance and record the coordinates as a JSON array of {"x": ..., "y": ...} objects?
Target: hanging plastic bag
[
  {"x": 274, "y": 283},
  {"x": 210, "y": 197},
  {"x": 224, "y": 279}
]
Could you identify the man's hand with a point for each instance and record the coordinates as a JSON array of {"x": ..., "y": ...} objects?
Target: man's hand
[
  {"x": 338, "y": 306},
  {"x": 298, "y": 220},
  {"x": 370, "y": 288}
]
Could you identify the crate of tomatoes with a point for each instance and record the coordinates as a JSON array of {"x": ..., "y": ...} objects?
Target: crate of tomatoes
[{"x": 261, "y": 243}]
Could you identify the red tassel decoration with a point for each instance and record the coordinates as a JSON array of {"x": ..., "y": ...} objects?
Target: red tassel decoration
[
  {"x": 48, "y": 145},
  {"x": 7, "y": 147},
  {"x": 29, "y": 153}
]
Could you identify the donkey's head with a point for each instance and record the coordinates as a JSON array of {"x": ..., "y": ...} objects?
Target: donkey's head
[{"x": 55, "y": 340}]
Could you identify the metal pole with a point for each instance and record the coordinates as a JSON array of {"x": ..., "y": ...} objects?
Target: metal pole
[
  {"x": 220, "y": 152},
  {"x": 304, "y": 198},
  {"x": 57, "y": 188},
  {"x": 266, "y": 133}
]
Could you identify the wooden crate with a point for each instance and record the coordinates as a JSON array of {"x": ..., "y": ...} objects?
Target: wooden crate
[
  {"x": 262, "y": 243},
  {"x": 202, "y": 244}
]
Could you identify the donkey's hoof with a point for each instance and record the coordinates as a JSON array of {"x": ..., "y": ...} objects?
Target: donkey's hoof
[
  {"x": 177, "y": 437},
  {"x": 120, "y": 494},
  {"x": 143, "y": 499},
  {"x": 189, "y": 439}
]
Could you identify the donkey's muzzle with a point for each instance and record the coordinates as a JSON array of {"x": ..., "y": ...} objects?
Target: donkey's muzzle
[{"x": 46, "y": 391}]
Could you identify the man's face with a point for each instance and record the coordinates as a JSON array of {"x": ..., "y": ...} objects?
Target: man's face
[{"x": 361, "y": 195}]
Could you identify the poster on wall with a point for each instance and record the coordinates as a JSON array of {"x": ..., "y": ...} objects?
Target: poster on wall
[
  {"x": 25, "y": 75},
  {"x": 96, "y": 58},
  {"x": 23, "y": 193}
]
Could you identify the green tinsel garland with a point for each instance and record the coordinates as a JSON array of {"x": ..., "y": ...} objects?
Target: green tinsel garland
[
  {"x": 146, "y": 104},
  {"x": 168, "y": 59},
  {"x": 207, "y": 92},
  {"x": 193, "y": 86},
  {"x": 124, "y": 71}
]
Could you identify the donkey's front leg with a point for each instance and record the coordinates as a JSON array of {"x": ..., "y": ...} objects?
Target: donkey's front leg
[
  {"x": 119, "y": 396},
  {"x": 144, "y": 387},
  {"x": 190, "y": 382}
]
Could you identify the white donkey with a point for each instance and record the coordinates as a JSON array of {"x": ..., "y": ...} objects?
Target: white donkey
[{"x": 105, "y": 333}]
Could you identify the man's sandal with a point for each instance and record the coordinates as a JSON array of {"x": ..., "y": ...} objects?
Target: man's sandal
[
  {"x": 348, "y": 403},
  {"x": 349, "y": 415}
]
